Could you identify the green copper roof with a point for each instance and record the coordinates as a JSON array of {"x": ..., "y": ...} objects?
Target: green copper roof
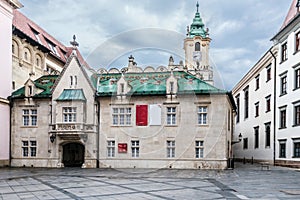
[
  {"x": 197, "y": 27},
  {"x": 72, "y": 95},
  {"x": 44, "y": 84},
  {"x": 153, "y": 83}
]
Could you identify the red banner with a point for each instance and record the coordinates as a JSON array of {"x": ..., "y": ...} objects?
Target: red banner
[{"x": 141, "y": 115}]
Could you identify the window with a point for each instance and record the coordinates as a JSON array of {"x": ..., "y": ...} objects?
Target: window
[
  {"x": 171, "y": 87},
  {"x": 171, "y": 115},
  {"x": 246, "y": 102},
  {"x": 53, "y": 48},
  {"x": 27, "y": 55},
  {"x": 297, "y": 78},
  {"x": 33, "y": 148},
  {"x": 199, "y": 149},
  {"x": 297, "y": 115},
  {"x": 110, "y": 148},
  {"x": 238, "y": 109},
  {"x": 268, "y": 103},
  {"x": 121, "y": 116},
  {"x": 268, "y": 73},
  {"x": 282, "y": 148},
  {"x": 69, "y": 114},
  {"x": 268, "y": 134},
  {"x": 202, "y": 115},
  {"x": 29, "y": 117},
  {"x": 283, "y": 85},
  {"x": 13, "y": 85},
  {"x": 256, "y": 137},
  {"x": 25, "y": 148},
  {"x": 135, "y": 148},
  {"x": 282, "y": 117},
  {"x": 245, "y": 143},
  {"x": 170, "y": 148},
  {"x": 36, "y": 34},
  {"x": 257, "y": 82},
  {"x": 29, "y": 148},
  {"x": 297, "y": 41},
  {"x": 197, "y": 46},
  {"x": 257, "y": 109},
  {"x": 296, "y": 148},
  {"x": 284, "y": 52}
]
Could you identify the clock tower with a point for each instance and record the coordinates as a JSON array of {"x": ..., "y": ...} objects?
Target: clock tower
[{"x": 196, "y": 47}]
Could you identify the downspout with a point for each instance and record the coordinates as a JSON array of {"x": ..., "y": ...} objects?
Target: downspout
[
  {"x": 10, "y": 128},
  {"x": 98, "y": 132},
  {"x": 274, "y": 111}
]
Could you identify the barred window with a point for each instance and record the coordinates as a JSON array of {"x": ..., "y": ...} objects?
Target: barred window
[{"x": 111, "y": 148}]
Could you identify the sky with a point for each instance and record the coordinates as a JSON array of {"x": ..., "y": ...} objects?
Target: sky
[{"x": 108, "y": 31}]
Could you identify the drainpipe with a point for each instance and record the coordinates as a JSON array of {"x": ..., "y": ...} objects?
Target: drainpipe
[
  {"x": 10, "y": 128},
  {"x": 98, "y": 132},
  {"x": 274, "y": 111}
]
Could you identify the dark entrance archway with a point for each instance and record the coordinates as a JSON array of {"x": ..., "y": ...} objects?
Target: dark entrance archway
[{"x": 73, "y": 155}]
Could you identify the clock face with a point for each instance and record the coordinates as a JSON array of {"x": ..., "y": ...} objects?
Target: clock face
[{"x": 197, "y": 56}]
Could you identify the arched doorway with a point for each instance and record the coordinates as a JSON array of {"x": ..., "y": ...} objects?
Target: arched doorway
[{"x": 73, "y": 155}]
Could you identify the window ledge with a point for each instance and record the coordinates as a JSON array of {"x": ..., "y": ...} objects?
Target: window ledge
[
  {"x": 29, "y": 126},
  {"x": 170, "y": 125},
  {"x": 282, "y": 128},
  {"x": 295, "y": 125},
  {"x": 283, "y": 61},
  {"x": 202, "y": 125},
  {"x": 282, "y": 94},
  {"x": 296, "y": 88}
]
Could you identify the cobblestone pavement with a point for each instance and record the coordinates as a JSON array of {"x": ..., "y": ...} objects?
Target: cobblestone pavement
[{"x": 244, "y": 182}]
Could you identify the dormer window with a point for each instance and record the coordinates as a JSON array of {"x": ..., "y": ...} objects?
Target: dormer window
[
  {"x": 53, "y": 48},
  {"x": 73, "y": 81},
  {"x": 122, "y": 88},
  {"x": 30, "y": 90},
  {"x": 171, "y": 87}
]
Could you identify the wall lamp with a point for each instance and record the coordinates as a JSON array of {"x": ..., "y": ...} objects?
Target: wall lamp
[{"x": 240, "y": 139}]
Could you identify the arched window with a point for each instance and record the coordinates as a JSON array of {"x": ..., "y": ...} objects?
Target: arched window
[
  {"x": 27, "y": 55},
  {"x": 197, "y": 46},
  {"x": 15, "y": 48},
  {"x": 38, "y": 61}
]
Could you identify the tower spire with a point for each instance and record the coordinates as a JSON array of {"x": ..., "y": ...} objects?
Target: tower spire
[{"x": 197, "y": 5}]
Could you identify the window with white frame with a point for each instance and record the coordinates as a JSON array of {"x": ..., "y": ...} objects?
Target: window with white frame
[
  {"x": 121, "y": 116},
  {"x": 297, "y": 113},
  {"x": 29, "y": 148},
  {"x": 268, "y": 73},
  {"x": 170, "y": 148},
  {"x": 246, "y": 102},
  {"x": 69, "y": 114},
  {"x": 199, "y": 149},
  {"x": 297, "y": 41},
  {"x": 256, "y": 109},
  {"x": 296, "y": 143},
  {"x": 237, "y": 108},
  {"x": 282, "y": 148},
  {"x": 111, "y": 148},
  {"x": 297, "y": 78},
  {"x": 268, "y": 103},
  {"x": 202, "y": 115},
  {"x": 256, "y": 137},
  {"x": 257, "y": 82},
  {"x": 284, "y": 52},
  {"x": 135, "y": 148},
  {"x": 282, "y": 117},
  {"x": 29, "y": 117},
  {"x": 283, "y": 84},
  {"x": 268, "y": 134},
  {"x": 171, "y": 115}
]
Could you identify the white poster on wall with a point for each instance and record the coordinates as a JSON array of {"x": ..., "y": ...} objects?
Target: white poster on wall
[{"x": 155, "y": 114}]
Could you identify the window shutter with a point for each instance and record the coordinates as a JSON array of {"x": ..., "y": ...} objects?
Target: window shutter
[{"x": 141, "y": 115}]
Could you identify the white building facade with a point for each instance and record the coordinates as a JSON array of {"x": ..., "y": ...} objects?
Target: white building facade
[
  {"x": 254, "y": 98},
  {"x": 287, "y": 40},
  {"x": 6, "y": 17}
]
